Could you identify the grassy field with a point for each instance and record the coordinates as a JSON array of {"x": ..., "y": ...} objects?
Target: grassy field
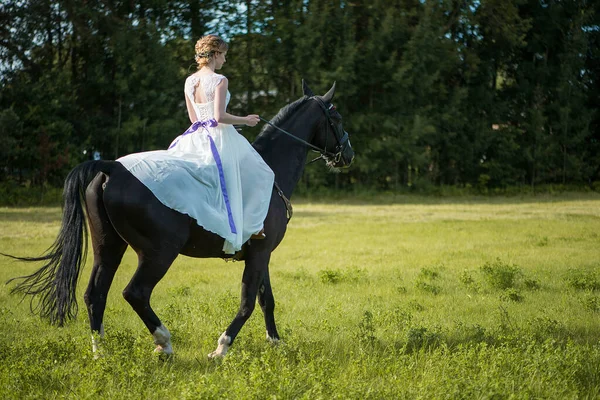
[{"x": 413, "y": 298}]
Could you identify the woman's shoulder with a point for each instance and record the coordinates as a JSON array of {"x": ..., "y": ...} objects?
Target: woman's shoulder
[
  {"x": 192, "y": 79},
  {"x": 198, "y": 76},
  {"x": 204, "y": 75},
  {"x": 219, "y": 77}
]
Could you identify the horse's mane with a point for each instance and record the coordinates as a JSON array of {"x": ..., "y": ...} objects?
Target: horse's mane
[{"x": 281, "y": 116}]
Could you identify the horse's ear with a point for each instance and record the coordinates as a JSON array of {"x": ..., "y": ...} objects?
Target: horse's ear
[
  {"x": 329, "y": 95},
  {"x": 306, "y": 90}
]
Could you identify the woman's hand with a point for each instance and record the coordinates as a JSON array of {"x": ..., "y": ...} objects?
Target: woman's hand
[{"x": 251, "y": 120}]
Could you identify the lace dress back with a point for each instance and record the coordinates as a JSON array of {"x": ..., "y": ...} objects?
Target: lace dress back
[{"x": 208, "y": 84}]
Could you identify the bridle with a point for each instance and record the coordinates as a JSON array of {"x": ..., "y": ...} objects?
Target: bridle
[{"x": 341, "y": 136}]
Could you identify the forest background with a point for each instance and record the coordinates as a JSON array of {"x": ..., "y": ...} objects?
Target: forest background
[{"x": 475, "y": 95}]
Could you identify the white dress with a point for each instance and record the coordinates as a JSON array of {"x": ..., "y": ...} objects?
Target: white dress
[{"x": 230, "y": 199}]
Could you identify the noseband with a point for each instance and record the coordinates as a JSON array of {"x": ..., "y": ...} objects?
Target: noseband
[{"x": 342, "y": 138}]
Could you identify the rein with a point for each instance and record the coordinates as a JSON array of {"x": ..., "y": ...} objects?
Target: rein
[
  {"x": 315, "y": 148},
  {"x": 266, "y": 121},
  {"x": 342, "y": 142}
]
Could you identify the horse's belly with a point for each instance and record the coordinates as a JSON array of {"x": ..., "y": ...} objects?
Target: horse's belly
[{"x": 203, "y": 244}]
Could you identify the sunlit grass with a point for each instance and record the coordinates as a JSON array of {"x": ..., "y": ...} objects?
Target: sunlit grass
[{"x": 468, "y": 298}]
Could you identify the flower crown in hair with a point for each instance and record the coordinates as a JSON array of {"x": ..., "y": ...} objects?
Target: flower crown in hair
[{"x": 205, "y": 54}]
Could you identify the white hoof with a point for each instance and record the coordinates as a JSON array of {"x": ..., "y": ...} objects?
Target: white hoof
[
  {"x": 96, "y": 346},
  {"x": 167, "y": 349},
  {"x": 273, "y": 341},
  {"x": 162, "y": 340},
  {"x": 97, "y": 353},
  {"x": 97, "y": 343},
  {"x": 223, "y": 346}
]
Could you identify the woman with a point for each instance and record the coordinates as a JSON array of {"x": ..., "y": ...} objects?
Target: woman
[{"x": 210, "y": 172}]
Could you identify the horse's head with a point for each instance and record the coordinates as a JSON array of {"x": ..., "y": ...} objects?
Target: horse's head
[{"x": 330, "y": 135}]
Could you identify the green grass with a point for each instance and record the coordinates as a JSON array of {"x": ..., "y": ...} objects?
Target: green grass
[{"x": 411, "y": 298}]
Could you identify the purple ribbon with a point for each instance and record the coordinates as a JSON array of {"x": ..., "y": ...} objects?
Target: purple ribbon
[{"x": 211, "y": 123}]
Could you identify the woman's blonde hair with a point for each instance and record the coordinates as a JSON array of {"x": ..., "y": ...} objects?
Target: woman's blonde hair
[{"x": 206, "y": 48}]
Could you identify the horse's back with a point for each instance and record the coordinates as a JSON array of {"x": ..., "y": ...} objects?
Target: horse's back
[{"x": 145, "y": 223}]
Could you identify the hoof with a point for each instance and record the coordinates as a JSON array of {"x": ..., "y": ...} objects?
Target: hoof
[
  {"x": 222, "y": 348},
  {"x": 274, "y": 341},
  {"x": 215, "y": 355},
  {"x": 165, "y": 350},
  {"x": 97, "y": 351},
  {"x": 162, "y": 340}
]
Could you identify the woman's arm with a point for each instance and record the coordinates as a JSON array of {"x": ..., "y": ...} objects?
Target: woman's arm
[{"x": 224, "y": 117}]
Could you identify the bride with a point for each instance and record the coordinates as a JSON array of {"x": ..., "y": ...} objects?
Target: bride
[{"x": 210, "y": 172}]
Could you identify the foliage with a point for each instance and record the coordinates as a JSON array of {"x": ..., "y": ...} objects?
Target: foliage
[
  {"x": 591, "y": 302},
  {"x": 500, "y": 275},
  {"x": 584, "y": 279},
  {"x": 512, "y": 294},
  {"x": 483, "y": 94},
  {"x": 335, "y": 275}
]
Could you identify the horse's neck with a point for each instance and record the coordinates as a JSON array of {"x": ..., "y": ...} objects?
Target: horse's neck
[{"x": 285, "y": 155}]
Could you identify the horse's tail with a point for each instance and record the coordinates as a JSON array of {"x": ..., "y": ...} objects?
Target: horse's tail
[{"x": 56, "y": 281}]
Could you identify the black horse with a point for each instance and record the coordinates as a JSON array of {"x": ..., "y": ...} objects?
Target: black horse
[{"x": 122, "y": 212}]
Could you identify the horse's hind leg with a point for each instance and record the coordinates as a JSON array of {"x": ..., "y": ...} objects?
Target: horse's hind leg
[
  {"x": 108, "y": 251},
  {"x": 107, "y": 257},
  {"x": 267, "y": 304}
]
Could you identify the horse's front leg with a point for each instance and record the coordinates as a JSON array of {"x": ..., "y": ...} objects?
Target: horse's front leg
[{"x": 256, "y": 265}]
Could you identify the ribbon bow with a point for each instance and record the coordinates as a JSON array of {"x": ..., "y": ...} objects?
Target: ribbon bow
[{"x": 209, "y": 123}]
